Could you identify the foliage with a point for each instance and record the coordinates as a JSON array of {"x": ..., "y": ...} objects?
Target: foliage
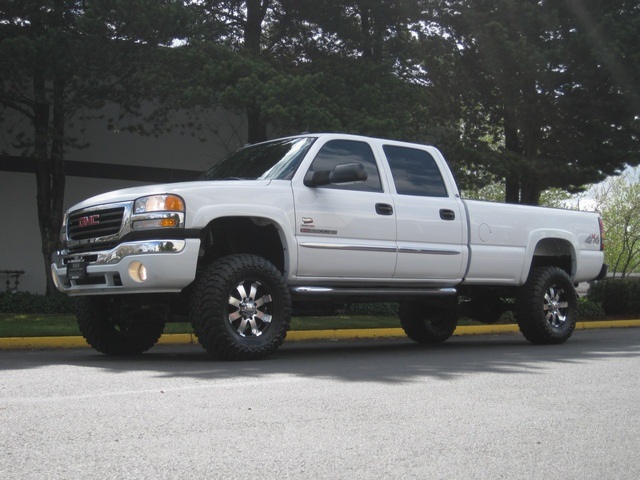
[
  {"x": 23, "y": 302},
  {"x": 534, "y": 96},
  {"x": 380, "y": 309},
  {"x": 589, "y": 309},
  {"x": 495, "y": 192},
  {"x": 617, "y": 296},
  {"x": 318, "y": 66},
  {"x": 60, "y": 57},
  {"x": 554, "y": 84},
  {"x": 618, "y": 201}
]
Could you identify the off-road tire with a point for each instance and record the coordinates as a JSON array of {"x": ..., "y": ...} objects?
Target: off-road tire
[
  {"x": 425, "y": 323},
  {"x": 241, "y": 308},
  {"x": 546, "y": 306},
  {"x": 114, "y": 328}
]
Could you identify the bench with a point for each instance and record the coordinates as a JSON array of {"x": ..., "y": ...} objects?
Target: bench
[{"x": 12, "y": 277}]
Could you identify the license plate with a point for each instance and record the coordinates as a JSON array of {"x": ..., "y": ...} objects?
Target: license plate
[{"x": 76, "y": 269}]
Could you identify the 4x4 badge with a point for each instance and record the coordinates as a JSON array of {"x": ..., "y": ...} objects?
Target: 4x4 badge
[{"x": 593, "y": 238}]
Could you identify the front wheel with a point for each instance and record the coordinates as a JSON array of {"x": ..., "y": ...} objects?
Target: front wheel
[
  {"x": 546, "y": 306},
  {"x": 424, "y": 323},
  {"x": 241, "y": 308},
  {"x": 113, "y": 327}
]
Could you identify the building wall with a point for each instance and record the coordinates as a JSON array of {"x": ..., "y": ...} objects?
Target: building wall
[{"x": 112, "y": 160}]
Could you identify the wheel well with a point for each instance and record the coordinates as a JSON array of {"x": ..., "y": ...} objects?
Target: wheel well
[
  {"x": 231, "y": 235},
  {"x": 554, "y": 252}
]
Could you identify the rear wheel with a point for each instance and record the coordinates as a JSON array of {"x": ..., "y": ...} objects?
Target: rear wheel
[
  {"x": 425, "y": 323},
  {"x": 241, "y": 308},
  {"x": 113, "y": 327},
  {"x": 546, "y": 306}
]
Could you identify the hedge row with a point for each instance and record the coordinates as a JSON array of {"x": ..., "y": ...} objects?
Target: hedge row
[
  {"x": 608, "y": 297},
  {"x": 618, "y": 296},
  {"x": 24, "y": 302},
  {"x": 587, "y": 310}
]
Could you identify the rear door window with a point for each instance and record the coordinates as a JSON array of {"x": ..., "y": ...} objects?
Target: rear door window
[{"x": 415, "y": 172}]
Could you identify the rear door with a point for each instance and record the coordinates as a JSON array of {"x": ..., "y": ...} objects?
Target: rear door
[
  {"x": 429, "y": 216},
  {"x": 347, "y": 230}
]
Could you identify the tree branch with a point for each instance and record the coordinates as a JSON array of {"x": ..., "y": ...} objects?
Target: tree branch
[{"x": 26, "y": 110}]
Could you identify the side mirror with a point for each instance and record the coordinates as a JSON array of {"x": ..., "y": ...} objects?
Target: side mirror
[{"x": 342, "y": 173}]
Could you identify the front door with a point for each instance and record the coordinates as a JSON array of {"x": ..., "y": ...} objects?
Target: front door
[{"x": 347, "y": 230}]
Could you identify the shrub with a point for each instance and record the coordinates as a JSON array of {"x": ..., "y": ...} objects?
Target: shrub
[
  {"x": 633, "y": 291},
  {"x": 589, "y": 310},
  {"x": 24, "y": 302},
  {"x": 618, "y": 296},
  {"x": 380, "y": 309}
]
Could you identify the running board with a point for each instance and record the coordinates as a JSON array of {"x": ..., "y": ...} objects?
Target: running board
[{"x": 373, "y": 293}]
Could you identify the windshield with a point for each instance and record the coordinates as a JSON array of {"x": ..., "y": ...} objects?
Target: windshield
[{"x": 276, "y": 160}]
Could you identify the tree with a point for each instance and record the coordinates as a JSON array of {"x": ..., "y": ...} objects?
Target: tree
[
  {"x": 60, "y": 56},
  {"x": 618, "y": 200},
  {"x": 554, "y": 84},
  {"x": 496, "y": 192},
  {"x": 314, "y": 66},
  {"x": 238, "y": 25}
]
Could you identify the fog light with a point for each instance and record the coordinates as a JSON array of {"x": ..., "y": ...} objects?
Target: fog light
[{"x": 137, "y": 272}]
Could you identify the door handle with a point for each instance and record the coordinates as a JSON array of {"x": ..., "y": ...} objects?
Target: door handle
[
  {"x": 446, "y": 214},
  {"x": 384, "y": 209}
]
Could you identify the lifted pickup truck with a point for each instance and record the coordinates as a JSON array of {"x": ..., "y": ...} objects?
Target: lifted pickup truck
[{"x": 312, "y": 221}]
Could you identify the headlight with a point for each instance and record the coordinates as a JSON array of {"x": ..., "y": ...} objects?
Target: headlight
[
  {"x": 63, "y": 230},
  {"x": 158, "y": 211},
  {"x": 159, "y": 203}
]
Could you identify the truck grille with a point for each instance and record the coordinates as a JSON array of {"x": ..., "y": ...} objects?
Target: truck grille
[{"x": 91, "y": 224}]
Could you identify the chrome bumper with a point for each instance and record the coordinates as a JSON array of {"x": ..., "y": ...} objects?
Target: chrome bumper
[{"x": 169, "y": 266}]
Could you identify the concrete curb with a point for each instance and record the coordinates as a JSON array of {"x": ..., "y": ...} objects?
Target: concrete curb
[{"x": 16, "y": 343}]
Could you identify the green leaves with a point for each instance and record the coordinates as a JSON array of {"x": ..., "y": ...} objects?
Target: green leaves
[
  {"x": 555, "y": 78},
  {"x": 618, "y": 201}
]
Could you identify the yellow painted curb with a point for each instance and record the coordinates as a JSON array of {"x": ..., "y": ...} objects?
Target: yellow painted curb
[
  {"x": 178, "y": 339},
  {"x": 485, "y": 329},
  {"x": 608, "y": 324},
  {"x": 42, "y": 342},
  {"x": 342, "y": 334}
]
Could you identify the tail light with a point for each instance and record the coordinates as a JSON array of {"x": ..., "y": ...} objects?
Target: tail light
[{"x": 601, "y": 224}]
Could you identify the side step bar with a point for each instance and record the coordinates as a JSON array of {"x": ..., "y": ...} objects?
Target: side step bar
[{"x": 372, "y": 293}]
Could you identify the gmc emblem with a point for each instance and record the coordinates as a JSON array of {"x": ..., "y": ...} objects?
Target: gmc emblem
[{"x": 89, "y": 220}]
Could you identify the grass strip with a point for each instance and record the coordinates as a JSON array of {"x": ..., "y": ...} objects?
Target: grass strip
[
  {"x": 49, "y": 325},
  {"x": 41, "y": 325}
]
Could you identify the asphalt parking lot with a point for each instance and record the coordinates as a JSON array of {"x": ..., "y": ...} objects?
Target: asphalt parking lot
[{"x": 481, "y": 406}]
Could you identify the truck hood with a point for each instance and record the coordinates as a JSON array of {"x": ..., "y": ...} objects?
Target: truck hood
[{"x": 184, "y": 189}]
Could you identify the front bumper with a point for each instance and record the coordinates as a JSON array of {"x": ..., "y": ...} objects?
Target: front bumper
[{"x": 169, "y": 266}]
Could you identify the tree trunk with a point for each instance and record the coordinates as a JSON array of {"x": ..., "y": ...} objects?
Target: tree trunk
[
  {"x": 529, "y": 193},
  {"x": 365, "y": 29},
  {"x": 256, "y": 127},
  {"x": 512, "y": 145},
  {"x": 256, "y": 12},
  {"x": 50, "y": 178},
  {"x": 512, "y": 190}
]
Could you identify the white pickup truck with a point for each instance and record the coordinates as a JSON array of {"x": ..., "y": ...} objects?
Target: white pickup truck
[{"x": 318, "y": 220}]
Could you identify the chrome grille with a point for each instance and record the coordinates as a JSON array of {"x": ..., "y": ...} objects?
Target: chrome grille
[{"x": 91, "y": 224}]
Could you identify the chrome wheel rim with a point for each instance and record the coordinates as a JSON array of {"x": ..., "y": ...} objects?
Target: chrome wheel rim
[
  {"x": 249, "y": 305},
  {"x": 556, "y": 306}
]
